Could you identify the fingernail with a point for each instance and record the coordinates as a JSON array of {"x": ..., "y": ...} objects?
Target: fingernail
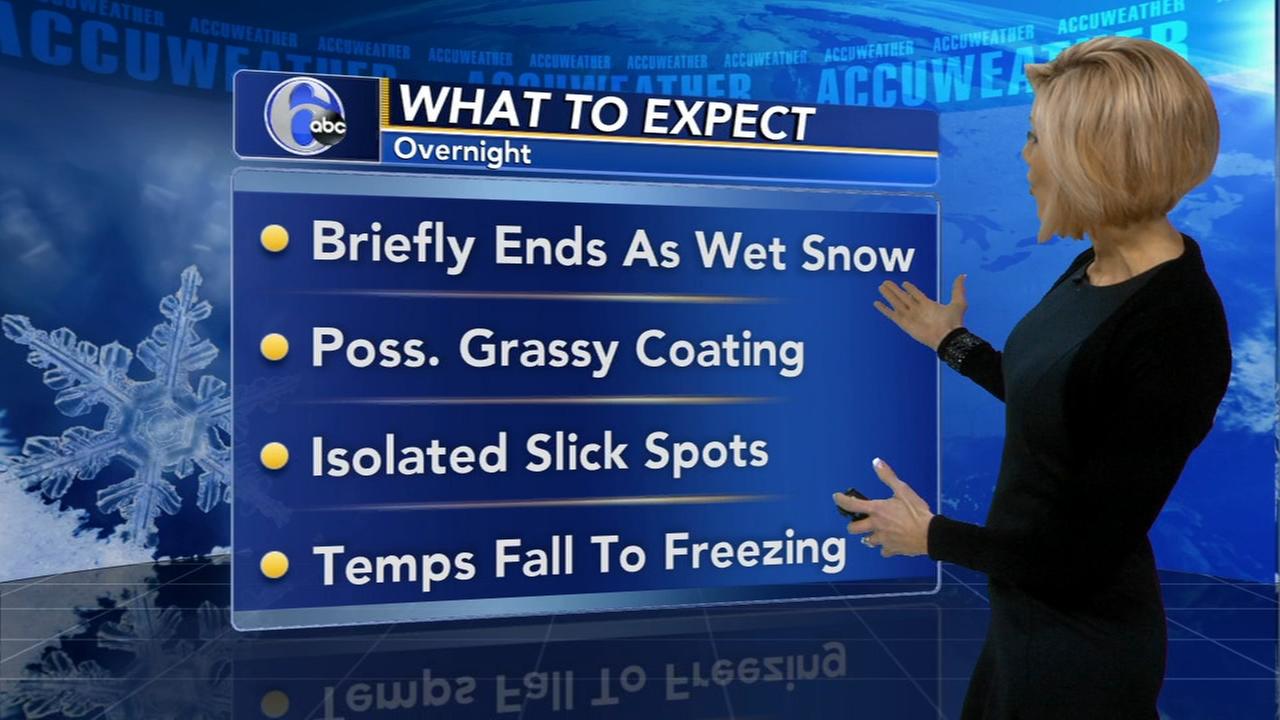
[
  {"x": 876, "y": 462},
  {"x": 835, "y": 496}
]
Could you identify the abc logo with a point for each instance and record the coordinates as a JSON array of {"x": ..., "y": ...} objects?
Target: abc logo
[
  {"x": 304, "y": 116},
  {"x": 328, "y": 128}
]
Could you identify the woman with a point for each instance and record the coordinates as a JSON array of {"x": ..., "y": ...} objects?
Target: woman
[{"x": 1109, "y": 384}]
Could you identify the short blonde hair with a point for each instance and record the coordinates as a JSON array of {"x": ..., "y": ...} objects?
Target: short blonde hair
[{"x": 1126, "y": 126}]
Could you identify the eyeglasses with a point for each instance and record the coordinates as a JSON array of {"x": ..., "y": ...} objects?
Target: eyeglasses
[{"x": 1031, "y": 137}]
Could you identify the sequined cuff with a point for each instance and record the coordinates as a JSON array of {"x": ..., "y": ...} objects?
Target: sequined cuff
[{"x": 955, "y": 346}]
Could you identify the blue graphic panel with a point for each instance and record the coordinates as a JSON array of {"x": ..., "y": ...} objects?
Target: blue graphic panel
[
  {"x": 507, "y": 411},
  {"x": 497, "y": 129},
  {"x": 298, "y": 117},
  {"x": 741, "y": 165}
]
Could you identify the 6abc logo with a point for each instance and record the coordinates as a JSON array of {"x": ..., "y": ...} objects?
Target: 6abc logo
[{"x": 304, "y": 116}]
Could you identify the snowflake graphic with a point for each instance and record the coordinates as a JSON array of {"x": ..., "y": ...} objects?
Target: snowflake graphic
[
  {"x": 114, "y": 677},
  {"x": 163, "y": 428},
  {"x": 7, "y": 445}
]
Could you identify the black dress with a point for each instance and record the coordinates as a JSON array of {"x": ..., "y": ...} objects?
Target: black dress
[{"x": 1108, "y": 390}]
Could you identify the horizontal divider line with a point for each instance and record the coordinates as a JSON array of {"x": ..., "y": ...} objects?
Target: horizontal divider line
[
  {"x": 555, "y": 502},
  {"x": 551, "y": 400},
  {"x": 691, "y": 299},
  {"x": 640, "y": 140}
]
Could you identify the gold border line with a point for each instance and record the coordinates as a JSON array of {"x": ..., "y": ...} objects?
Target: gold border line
[
  {"x": 548, "y": 400},
  {"x": 606, "y": 501},
  {"x": 384, "y": 101},
  {"x": 659, "y": 141},
  {"x": 557, "y": 296}
]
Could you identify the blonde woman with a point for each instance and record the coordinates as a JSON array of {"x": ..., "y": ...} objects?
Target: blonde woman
[{"x": 1110, "y": 383}]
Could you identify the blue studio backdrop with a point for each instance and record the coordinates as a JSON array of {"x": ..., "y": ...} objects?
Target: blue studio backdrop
[{"x": 115, "y": 194}]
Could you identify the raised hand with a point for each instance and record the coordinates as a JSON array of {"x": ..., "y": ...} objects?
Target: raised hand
[{"x": 921, "y": 318}]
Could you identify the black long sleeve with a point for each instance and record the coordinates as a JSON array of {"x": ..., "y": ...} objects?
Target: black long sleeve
[
  {"x": 974, "y": 358},
  {"x": 1164, "y": 378}
]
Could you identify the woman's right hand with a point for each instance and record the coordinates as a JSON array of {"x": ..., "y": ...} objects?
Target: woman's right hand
[{"x": 921, "y": 318}]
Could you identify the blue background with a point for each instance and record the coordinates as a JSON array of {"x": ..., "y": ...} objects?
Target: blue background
[{"x": 113, "y": 178}]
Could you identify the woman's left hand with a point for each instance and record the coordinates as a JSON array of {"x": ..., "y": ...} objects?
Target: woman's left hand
[{"x": 898, "y": 525}]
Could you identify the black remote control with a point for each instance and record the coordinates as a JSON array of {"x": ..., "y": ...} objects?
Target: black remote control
[{"x": 854, "y": 516}]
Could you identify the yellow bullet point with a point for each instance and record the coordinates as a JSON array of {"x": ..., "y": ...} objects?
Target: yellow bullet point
[
  {"x": 274, "y": 346},
  {"x": 274, "y": 238},
  {"x": 274, "y": 455},
  {"x": 275, "y": 704},
  {"x": 274, "y": 565}
]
